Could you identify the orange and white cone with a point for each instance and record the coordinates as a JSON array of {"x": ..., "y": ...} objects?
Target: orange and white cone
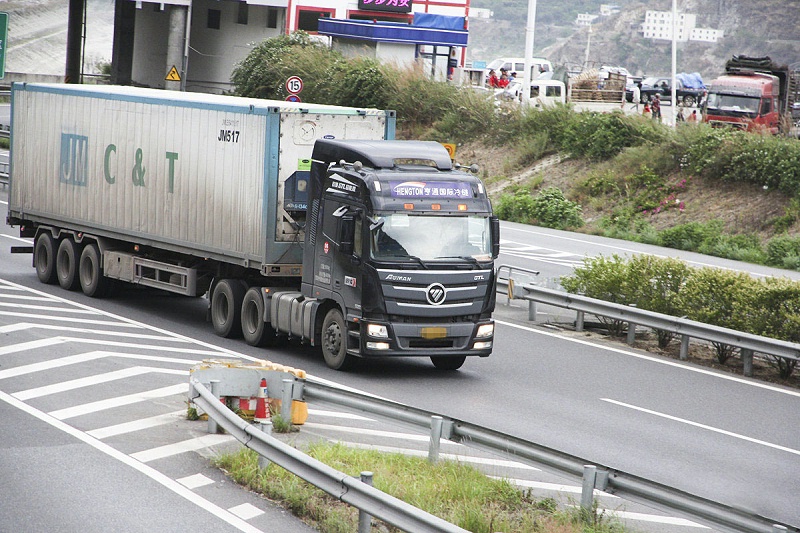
[{"x": 262, "y": 413}]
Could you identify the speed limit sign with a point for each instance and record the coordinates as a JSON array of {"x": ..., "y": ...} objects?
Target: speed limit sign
[{"x": 294, "y": 84}]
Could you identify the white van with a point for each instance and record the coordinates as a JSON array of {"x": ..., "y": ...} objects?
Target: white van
[{"x": 539, "y": 66}]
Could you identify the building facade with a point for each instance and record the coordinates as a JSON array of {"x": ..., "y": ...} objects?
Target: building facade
[{"x": 194, "y": 45}]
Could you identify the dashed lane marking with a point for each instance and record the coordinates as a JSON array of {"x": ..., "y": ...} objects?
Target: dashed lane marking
[
  {"x": 190, "y": 445},
  {"x": 89, "y": 381},
  {"x": 137, "y": 425},
  {"x": 119, "y": 401}
]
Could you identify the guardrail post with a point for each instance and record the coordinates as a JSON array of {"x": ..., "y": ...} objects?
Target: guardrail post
[
  {"x": 364, "y": 519},
  {"x": 684, "y": 354},
  {"x": 747, "y": 362},
  {"x": 213, "y": 428},
  {"x": 436, "y": 437},
  {"x": 286, "y": 400},
  {"x": 263, "y": 462},
  {"x": 579, "y": 321},
  {"x": 587, "y": 490},
  {"x": 631, "y": 330},
  {"x": 532, "y": 310}
]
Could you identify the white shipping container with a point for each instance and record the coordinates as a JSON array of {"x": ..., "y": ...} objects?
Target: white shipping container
[{"x": 198, "y": 173}]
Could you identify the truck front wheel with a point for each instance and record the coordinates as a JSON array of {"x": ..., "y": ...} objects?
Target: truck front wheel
[
  {"x": 67, "y": 264},
  {"x": 334, "y": 341},
  {"x": 226, "y": 307},
  {"x": 44, "y": 258},
  {"x": 256, "y": 332}
]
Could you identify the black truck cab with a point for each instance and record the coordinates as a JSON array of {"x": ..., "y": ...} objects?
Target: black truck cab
[{"x": 399, "y": 250}]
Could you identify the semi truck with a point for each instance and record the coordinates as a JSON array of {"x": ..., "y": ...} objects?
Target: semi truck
[
  {"x": 294, "y": 220},
  {"x": 754, "y": 94}
]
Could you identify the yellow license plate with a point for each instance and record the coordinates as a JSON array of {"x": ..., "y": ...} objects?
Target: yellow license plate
[{"x": 433, "y": 333}]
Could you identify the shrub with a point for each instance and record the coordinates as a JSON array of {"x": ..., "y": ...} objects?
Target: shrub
[
  {"x": 782, "y": 251},
  {"x": 690, "y": 236},
  {"x": 717, "y": 297},
  {"x": 603, "y": 278},
  {"x": 774, "y": 311},
  {"x": 515, "y": 207},
  {"x": 552, "y": 210},
  {"x": 654, "y": 283}
]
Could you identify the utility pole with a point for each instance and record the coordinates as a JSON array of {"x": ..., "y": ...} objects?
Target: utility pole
[{"x": 529, "y": 33}]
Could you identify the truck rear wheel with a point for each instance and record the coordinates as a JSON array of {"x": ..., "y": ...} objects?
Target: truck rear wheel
[
  {"x": 334, "y": 341},
  {"x": 90, "y": 275},
  {"x": 44, "y": 258},
  {"x": 256, "y": 332},
  {"x": 688, "y": 100},
  {"x": 226, "y": 307},
  {"x": 448, "y": 363},
  {"x": 67, "y": 264}
]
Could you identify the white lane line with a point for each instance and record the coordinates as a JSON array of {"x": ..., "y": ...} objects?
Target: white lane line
[
  {"x": 32, "y": 307},
  {"x": 667, "y": 520},
  {"x": 195, "y": 481},
  {"x": 119, "y": 401},
  {"x": 449, "y": 456},
  {"x": 22, "y": 326},
  {"x": 191, "y": 445},
  {"x": 25, "y": 297},
  {"x": 652, "y": 359},
  {"x": 137, "y": 425},
  {"x": 90, "y": 381},
  {"x": 552, "y": 487},
  {"x": 154, "y": 347},
  {"x": 84, "y": 357},
  {"x": 26, "y": 241},
  {"x": 246, "y": 511},
  {"x": 30, "y": 316},
  {"x": 338, "y": 414},
  {"x": 373, "y": 432},
  {"x": 703, "y": 426},
  {"x": 31, "y": 345},
  {"x": 152, "y": 473}
]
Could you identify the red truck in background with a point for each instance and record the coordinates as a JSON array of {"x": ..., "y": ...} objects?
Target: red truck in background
[{"x": 754, "y": 94}]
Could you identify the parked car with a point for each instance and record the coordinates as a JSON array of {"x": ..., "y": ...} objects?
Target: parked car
[{"x": 662, "y": 86}]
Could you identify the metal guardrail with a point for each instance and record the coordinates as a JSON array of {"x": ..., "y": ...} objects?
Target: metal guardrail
[
  {"x": 604, "y": 478},
  {"x": 687, "y": 329},
  {"x": 340, "y": 485}
]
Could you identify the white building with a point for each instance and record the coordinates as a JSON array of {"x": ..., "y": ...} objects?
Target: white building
[
  {"x": 658, "y": 25},
  {"x": 204, "y": 39},
  {"x": 707, "y": 35},
  {"x": 586, "y": 19},
  {"x": 606, "y": 10}
]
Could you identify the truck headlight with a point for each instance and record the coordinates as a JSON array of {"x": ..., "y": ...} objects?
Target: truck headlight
[
  {"x": 485, "y": 330},
  {"x": 378, "y": 331}
]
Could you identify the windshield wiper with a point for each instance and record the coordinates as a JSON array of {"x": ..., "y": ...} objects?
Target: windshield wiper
[{"x": 463, "y": 257}]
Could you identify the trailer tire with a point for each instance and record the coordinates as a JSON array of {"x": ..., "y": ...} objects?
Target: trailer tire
[
  {"x": 226, "y": 307},
  {"x": 90, "y": 274},
  {"x": 44, "y": 258},
  {"x": 256, "y": 332},
  {"x": 448, "y": 363},
  {"x": 69, "y": 252},
  {"x": 334, "y": 341}
]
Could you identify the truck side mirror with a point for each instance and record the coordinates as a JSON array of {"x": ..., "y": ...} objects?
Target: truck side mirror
[
  {"x": 495, "y": 228},
  {"x": 347, "y": 234}
]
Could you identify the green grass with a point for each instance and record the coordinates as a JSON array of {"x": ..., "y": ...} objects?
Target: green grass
[{"x": 453, "y": 491}]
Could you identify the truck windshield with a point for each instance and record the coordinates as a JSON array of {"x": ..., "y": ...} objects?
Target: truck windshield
[
  {"x": 736, "y": 104},
  {"x": 431, "y": 237}
]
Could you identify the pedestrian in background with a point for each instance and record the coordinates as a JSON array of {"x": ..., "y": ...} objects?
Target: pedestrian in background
[{"x": 655, "y": 107}]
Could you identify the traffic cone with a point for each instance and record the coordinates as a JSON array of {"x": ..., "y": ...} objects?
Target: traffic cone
[{"x": 262, "y": 414}]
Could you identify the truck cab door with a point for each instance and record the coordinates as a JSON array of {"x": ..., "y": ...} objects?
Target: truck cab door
[{"x": 342, "y": 227}]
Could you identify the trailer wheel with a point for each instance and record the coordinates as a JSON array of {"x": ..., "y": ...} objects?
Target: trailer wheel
[
  {"x": 67, "y": 264},
  {"x": 256, "y": 332},
  {"x": 448, "y": 363},
  {"x": 90, "y": 275},
  {"x": 334, "y": 341},
  {"x": 44, "y": 258},
  {"x": 226, "y": 307}
]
